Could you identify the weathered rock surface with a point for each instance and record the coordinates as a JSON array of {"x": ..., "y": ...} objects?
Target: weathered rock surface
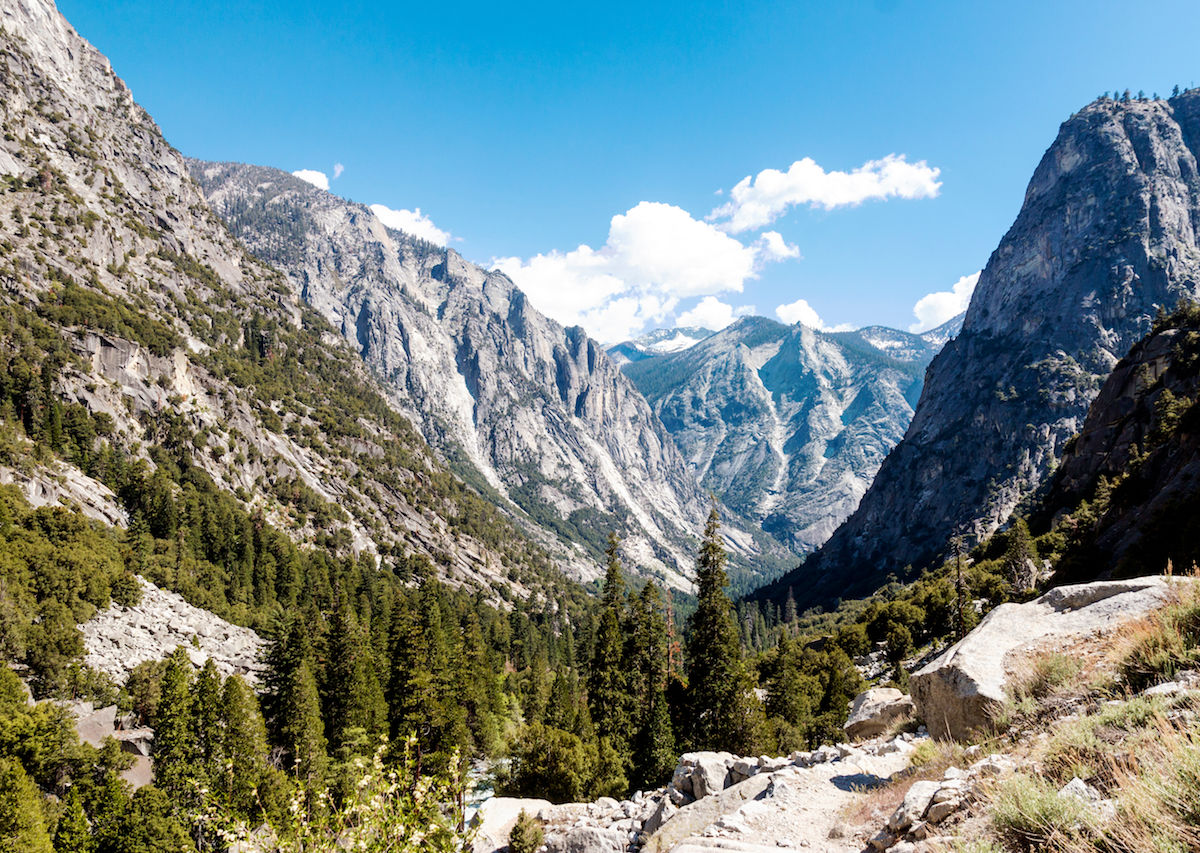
[
  {"x": 120, "y": 638},
  {"x": 540, "y": 411},
  {"x": 1105, "y": 237},
  {"x": 874, "y": 711},
  {"x": 786, "y": 424},
  {"x": 959, "y": 692}
]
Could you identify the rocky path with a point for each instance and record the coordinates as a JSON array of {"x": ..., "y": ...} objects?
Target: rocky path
[{"x": 800, "y": 808}]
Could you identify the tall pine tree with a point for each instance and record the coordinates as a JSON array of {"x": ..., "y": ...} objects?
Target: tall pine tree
[
  {"x": 608, "y": 682},
  {"x": 723, "y": 709},
  {"x": 654, "y": 739}
]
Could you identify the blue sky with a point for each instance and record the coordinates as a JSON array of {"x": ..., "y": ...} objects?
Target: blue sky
[{"x": 582, "y": 146}]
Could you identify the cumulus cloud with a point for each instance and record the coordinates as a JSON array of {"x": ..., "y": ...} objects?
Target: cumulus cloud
[
  {"x": 775, "y": 248},
  {"x": 712, "y": 313},
  {"x": 800, "y": 312},
  {"x": 936, "y": 308},
  {"x": 655, "y": 256},
  {"x": 318, "y": 179},
  {"x": 338, "y": 168},
  {"x": 412, "y": 222},
  {"x": 760, "y": 200}
]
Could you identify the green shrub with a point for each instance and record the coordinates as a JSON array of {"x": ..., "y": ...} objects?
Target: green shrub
[
  {"x": 526, "y": 835},
  {"x": 1028, "y": 811}
]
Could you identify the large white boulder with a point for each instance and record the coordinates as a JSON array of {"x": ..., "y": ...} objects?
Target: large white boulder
[
  {"x": 874, "y": 711},
  {"x": 496, "y": 817},
  {"x": 960, "y": 691}
]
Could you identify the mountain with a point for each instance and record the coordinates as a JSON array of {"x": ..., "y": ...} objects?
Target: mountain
[
  {"x": 658, "y": 342},
  {"x": 1105, "y": 237},
  {"x": 786, "y": 424},
  {"x": 156, "y": 373},
  {"x": 535, "y": 413}
]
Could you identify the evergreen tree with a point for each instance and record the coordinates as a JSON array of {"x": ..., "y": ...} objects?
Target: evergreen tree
[
  {"x": 1020, "y": 558},
  {"x": 22, "y": 825},
  {"x": 654, "y": 750},
  {"x": 720, "y": 700},
  {"x": 608, "y": 690},
  {"x": 354, "y": 703},
  {"x": 426, "y": 693},
  {"x": 244, "y": 747},
  {"x": 206, "y": 721},
  {"x": 295, "y": 707},
  {"x": 73, "y": 834},
  {"x": 174, "y": 730}
]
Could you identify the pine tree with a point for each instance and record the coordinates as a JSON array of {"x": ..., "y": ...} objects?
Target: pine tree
[
  {"x": 73, "y": 834},
  {"x": 425, "y": 697},
  {"x": 174, "y": 731},
  {"x": 1020, "y": 558},
  {"x": 608, "y": 695},
  {"x": 354, "y": 703},
  {"x": 294, "y": 703},
  {"x": 244, "y": 747},
  {"x": 720, "y": 699},
  {"x": 206, "y": 720},
  {"x": 22, "y": 825},
  {"x": 654, "y": 750}
]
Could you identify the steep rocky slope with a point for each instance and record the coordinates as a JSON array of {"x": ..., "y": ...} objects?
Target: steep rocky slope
[
  {"x": 1128, "y": 489},
  {"x": 540, "y": 411},
  {"x": 1106, "y": 235},
  {"x": 137, "y": 334},
  {"x": 788, "y": 425}
]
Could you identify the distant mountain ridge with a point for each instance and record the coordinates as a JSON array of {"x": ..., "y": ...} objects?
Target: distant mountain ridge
[
  {"x": 1107, "y": 236},
  {"x": 787, "y": 424},
  {"x": 535, "y": 412}
]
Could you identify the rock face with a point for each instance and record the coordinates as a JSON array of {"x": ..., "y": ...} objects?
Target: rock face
[
  {"x": 1135, "y": 463},
  {"x": 1106, "y": 235},
  {"x": 874, "y": 711},
  {"x": 959, "y": 692},
  {"x": 120, "y": 638},
  {"x": 538, "y": 411},
  {"x": 786, "y": 424}
]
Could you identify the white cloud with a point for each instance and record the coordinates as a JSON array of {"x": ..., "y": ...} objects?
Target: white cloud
[
  {"x": 760, "y": 200},
  {"x": 338, "y": 168},
  {"x": 936, "y": 308},
  {"x": 656, "y": 255},
  {"x": 800, "y": 312},
  {"x": 412, "y": 222},
  {"x": 775, "y": 247},
  {"x": 318, "y": 179},
  {"x": 712, "y": 313}
]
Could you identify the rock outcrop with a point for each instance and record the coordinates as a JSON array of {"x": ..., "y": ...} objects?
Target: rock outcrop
[
  {"x": 786, "y": 424},
  {"x": 960, "y": 691},
  {"x": 1106, "y": 236},
  {"x": 538, "y": 411}
]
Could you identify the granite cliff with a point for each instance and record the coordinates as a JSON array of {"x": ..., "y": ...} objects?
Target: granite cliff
[{"x": 1106, "y": 236}]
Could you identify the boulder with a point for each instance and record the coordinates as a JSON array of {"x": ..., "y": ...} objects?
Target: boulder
[
  {"x": 916, "y": 803},
  {"x": 691, "y": 819},
  {"x": 711, "y": 774},
  {"x": 587, "y": 839},
  {"x": 874, "y": 711},
  {"x": 495, "y": 819},
  {"x": 959, "y": 692}
]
